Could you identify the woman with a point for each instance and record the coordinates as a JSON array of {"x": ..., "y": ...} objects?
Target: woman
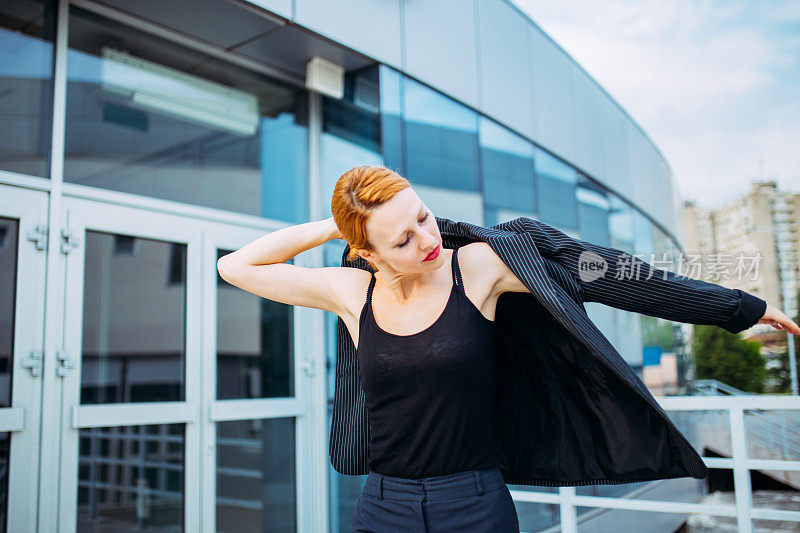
[{"x": 423, "y": 328}]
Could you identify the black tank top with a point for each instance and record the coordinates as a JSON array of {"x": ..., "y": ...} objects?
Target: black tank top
[{"x": 430, "y": 395}]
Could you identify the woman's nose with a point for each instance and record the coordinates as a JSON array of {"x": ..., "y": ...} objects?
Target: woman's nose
[{"x": 430, "y": 240}]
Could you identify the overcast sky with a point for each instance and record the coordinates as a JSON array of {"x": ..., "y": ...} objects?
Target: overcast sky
[{"x": 715, "y": 84}]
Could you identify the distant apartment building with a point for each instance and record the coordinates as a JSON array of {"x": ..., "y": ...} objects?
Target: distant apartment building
[
  {"x": 751, "y": 243},
  {"x": 698, "y": 232}
]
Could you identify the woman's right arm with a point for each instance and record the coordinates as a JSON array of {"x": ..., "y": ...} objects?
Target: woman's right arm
[{"x": 260, "y": 268}]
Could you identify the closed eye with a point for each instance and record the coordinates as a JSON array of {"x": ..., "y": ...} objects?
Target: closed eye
[{"x": 422, "y": 221}]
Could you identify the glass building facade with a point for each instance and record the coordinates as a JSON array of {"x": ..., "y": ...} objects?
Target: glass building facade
[{"x": 138, "y": 145}]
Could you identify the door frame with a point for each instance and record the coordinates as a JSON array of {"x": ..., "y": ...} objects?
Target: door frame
[{"x": 23, "y": 418}]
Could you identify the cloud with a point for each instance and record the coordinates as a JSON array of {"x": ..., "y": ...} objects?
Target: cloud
[{"x": 713, "y": 83}]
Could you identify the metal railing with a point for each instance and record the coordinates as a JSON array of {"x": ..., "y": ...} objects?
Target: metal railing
[
  {"x": 775, "y": 431},
  {"x": 763, "y": 423}
]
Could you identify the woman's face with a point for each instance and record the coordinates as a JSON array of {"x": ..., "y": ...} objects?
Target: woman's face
[{"x": 403, "y": 232}]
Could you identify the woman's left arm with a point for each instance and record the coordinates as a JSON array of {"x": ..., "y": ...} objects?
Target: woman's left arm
[{"x": 652, "y": 291}]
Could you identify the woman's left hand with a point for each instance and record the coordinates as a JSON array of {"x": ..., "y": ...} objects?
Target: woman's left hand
[{"x": 778, "y": 320}]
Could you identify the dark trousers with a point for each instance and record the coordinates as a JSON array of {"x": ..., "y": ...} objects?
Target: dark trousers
[{"x": 472, "y": 501}]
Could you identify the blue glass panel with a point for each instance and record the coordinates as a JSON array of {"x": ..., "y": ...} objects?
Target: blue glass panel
[
  {"x": 643, "y": 229},
  {"x": 391, "y": 120},
  {"x": 441, "y": 139},
  {"x": 555, "y": 185},
  {"x": 593, "y": 207},
  {"x": 621, "y": 224},
  {"x": 27, "y": 31},
  {"x": 507, "y": 168}
]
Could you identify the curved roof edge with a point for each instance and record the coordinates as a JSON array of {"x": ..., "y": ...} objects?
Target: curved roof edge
[{"x": 555, "y": 43}]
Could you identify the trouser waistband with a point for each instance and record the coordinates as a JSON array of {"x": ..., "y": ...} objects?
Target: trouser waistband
[{"x": 444, "y": 487}]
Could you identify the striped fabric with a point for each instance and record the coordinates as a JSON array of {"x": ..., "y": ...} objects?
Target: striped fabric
[{"x": 569, "y": 410}]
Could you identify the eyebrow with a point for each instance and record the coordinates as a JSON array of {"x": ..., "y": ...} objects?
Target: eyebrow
[{"x": 402, "y": 234}]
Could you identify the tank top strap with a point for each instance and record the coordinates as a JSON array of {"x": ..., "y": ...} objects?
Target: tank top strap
[
  {"x": 369, "y": 289},
  {"x": 456, "y": 270}
]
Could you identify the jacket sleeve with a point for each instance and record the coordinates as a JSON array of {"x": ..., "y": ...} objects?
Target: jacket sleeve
[{"x": 652, "y": 291}]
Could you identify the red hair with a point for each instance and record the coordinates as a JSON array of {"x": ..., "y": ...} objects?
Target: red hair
[{"x": 356, "y": 194}]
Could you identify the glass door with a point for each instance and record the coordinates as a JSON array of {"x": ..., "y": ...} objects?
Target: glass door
[
  {"x": 130, "y": 370},
  {"x": 258, "y": 374},
  {"x": 23, "y": 260}
]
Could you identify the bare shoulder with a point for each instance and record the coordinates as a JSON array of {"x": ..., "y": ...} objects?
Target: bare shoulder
[{"x": 479, "y": 257}]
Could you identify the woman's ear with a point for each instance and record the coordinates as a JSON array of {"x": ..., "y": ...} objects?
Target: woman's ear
[
  {"x": 369, "y": 257},
  {"x": 364, "y": 254}
]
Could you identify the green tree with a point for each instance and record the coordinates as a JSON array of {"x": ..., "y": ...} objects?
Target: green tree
[{"x": 729, "y": 358}]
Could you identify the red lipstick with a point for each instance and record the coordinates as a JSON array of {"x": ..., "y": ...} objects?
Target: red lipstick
[{"x": 434, "y": 254}]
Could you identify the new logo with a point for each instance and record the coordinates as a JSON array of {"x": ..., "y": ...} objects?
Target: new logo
[{"x": 591, "y": 266}]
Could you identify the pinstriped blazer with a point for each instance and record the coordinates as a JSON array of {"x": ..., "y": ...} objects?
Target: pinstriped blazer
[{"x": 569, "y": 410}]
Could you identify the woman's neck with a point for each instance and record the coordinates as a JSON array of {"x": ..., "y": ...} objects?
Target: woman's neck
[{"x": 406, "y": 286}]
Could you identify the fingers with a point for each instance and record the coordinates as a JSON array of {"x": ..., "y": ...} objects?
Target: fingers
[
  {"x": 782, "y": 322},
  {"x": 790, "y": 326}
]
